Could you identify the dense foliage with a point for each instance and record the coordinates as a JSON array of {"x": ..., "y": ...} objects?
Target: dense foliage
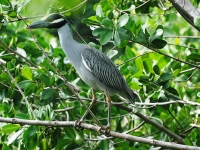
[{"x": 156, "y": 50}]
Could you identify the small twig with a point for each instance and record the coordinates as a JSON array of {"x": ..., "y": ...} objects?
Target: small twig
[
  {"x": 62, "y": 110},
  {"x": 131, "y": 130},
  {"x": 183, "y": 46},
  {"x": 180, "y": 126},
  {"x": 74, "y": 8},
  {"x": 134, "y": 58}
]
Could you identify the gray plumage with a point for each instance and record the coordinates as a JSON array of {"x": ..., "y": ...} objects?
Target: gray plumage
[{"x": 94, "y": 67}]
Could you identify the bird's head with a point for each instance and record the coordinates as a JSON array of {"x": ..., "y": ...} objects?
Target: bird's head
[{"x": 49, "y": 21}]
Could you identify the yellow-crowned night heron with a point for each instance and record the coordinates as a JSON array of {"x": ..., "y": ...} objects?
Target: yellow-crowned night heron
[{"x": 94, "y": 68}]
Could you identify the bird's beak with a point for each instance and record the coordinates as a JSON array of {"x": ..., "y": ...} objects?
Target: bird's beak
[{"x": 38, "y": 24}]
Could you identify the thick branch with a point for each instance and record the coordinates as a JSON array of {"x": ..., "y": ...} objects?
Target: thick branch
[{"x": 95, "y": 128}]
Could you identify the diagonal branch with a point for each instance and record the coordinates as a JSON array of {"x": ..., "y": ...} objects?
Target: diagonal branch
[{"x": 160, "y": 127}]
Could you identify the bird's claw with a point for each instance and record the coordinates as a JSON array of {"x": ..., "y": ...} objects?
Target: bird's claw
[
  {"x": 77, "y": 125},
  {"x": 104, "y": 130}
]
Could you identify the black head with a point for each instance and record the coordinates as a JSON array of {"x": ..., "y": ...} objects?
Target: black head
[{"x": 49, "y": 21}]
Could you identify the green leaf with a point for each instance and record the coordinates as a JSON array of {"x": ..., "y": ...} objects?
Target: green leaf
[
  {"x": 48, "y": 95},
  {"x": 99, "y": 11},
  {"x": 1, "y": 17},
  {"x": 5, "y": 78},
  {"x": 156, "y": 69},
  {"x": 27, "y": 72},
  {"x": 14, "y": 136},
  {"x": 29, "y": 132},
  {"x": 198, "y": 94},
  {"x": 122, "y": 20},
  {"x": 112, "y": 53},
  {"x": 22, "y": 116},
  {"x": 24, "y": 84},
  {"x": 63, "y": 143},
  {"x": 44, "y": 78},
  {"x": 12, "y": 14},
  {"x": 158, "y": 43},
  {"x": 147, "y": 65},
  {"x": 107, "y": 22},
  {"x": 194, "y": 56},
  {"x": 139, "y": 63},
  {"x": 141, "y": 38},
  {"x": 117, "y": 39},
  {"x": 10, "y": 128},
  {"x": 48, "y": 65},
  {"x": 124, "y": 34},
  {"x": 158, "y": 34},
  {"x": 197, "y": 22},
  {"x": 99, "y": 31},
  {"x": 181, "y": 78},
  {"x": 89, "y": 21},
  {"x": 106, "y": 37},
  {"x": 30, "y": 89},
  {"x": 4, "y": 2},
  {"x": 129, "y": 52},
  {"x": 165, "y": 77}
]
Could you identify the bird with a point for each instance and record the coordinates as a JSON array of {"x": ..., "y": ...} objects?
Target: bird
[{"x": 93, "y": 66}]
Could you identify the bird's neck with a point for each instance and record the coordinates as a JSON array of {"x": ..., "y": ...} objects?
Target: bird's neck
[
  {"x": 65, "y": 33},
  {"x": 69, "y": 45}
]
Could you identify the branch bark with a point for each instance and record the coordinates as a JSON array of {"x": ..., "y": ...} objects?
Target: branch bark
[{"x": 96, "y": 129}]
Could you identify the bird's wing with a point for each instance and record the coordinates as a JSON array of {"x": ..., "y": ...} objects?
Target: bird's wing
[{"x": 103, "y": 68}]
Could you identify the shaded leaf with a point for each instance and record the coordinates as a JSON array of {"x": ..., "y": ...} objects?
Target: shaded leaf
[
  {"x": 24, "y": 84},
  {"x": 194, "y": 57},
  {"x": 165, "y": 77},
  {"x": 44, "y": 78},
  {"x": 30, "y": 89},
  {"x": 29, "y": 132},
  {"x": 158, "y": 43},
  {"x": 106, "y": 37}
]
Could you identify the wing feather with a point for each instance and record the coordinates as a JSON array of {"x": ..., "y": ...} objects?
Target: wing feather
[{"x": 103, "y": 68}]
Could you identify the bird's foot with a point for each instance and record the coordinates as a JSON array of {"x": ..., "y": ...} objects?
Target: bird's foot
[
  {"x": 104, "y": 130},
  {"x": 77, "y": 125}
]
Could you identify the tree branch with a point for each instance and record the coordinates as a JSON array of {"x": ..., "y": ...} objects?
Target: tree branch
[
  {"x": 160, "y": 127},
  {"x": 96, "y": 129}
]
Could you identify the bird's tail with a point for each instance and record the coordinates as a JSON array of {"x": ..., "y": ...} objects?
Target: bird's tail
[{"x": 131, "y": 96}]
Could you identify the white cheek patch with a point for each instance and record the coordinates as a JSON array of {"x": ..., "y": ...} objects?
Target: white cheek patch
[{"x": 57, "y": 20}]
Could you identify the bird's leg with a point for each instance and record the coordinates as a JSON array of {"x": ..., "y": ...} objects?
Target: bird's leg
[
  {"x": 107, "y": 128},
  {"x": 78, "y": 122}
]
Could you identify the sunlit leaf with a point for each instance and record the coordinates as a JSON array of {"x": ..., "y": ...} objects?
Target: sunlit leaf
[
  {"x": 10, "y": 128},
  {"x": 27, "y": 72}
]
